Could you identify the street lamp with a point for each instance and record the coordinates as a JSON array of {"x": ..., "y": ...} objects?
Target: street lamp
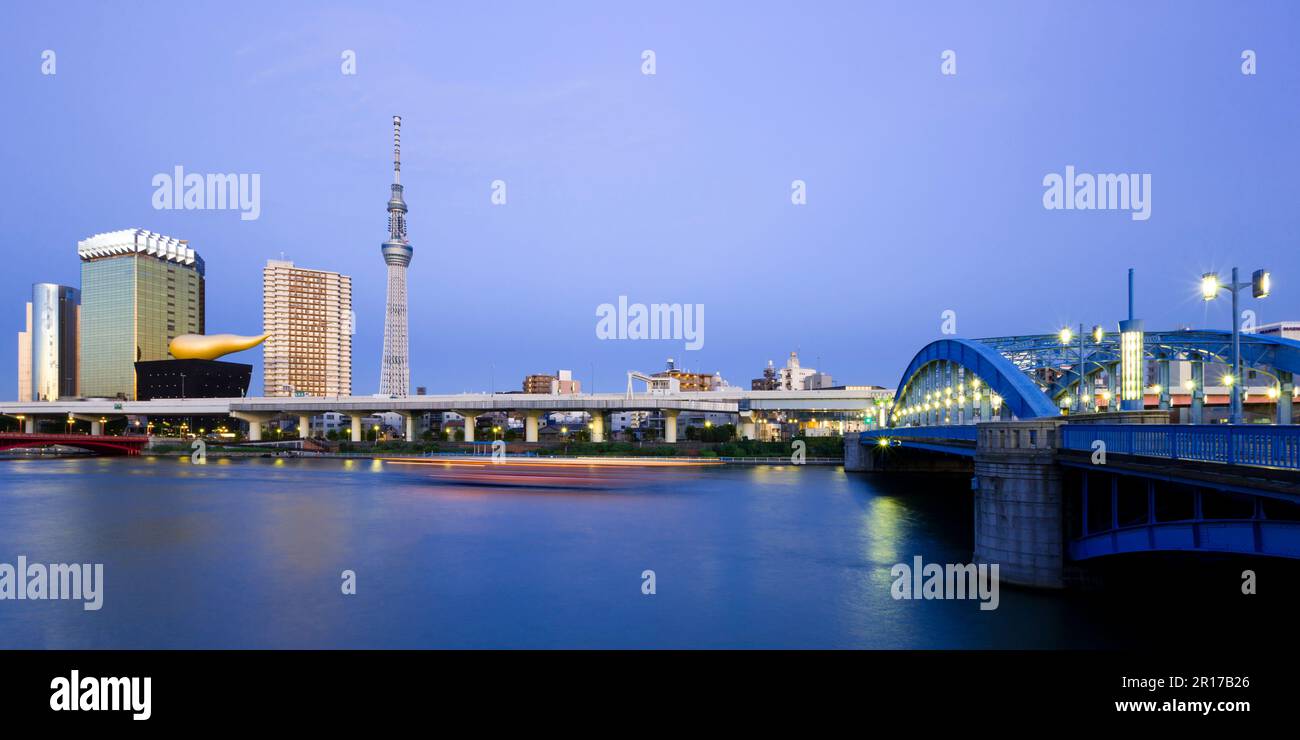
[{"x": 1261, "y": 284}]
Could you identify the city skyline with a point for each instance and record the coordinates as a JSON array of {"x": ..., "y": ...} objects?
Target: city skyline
[{"x": 653, "y": 174}]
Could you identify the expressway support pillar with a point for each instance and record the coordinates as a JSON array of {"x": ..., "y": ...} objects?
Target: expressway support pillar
[
  {"x": 1285, "y": 394},
  {"x": 29, "y": 425},
  {"x": 748, "y": 429},
  {"x": 1198, "y": 392},
  {"x": 96, "y": 427},
  {"x": 670, "y": 426},
  {"x": 470, "y": 418},
  {"x": 356, "y": 426},
  {"x": 596, "y": 425},
  {"x": 304, "y": 427},
  {"x": 530, "y": 425},
  {"x": 410, "y": 427},
  {"x": 255, "y": 421}
]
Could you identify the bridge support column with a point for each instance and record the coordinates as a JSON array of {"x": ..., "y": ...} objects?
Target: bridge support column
[
  {"x": 1198, "y": 392},
  {"x": 530, "y": 425},
  {"x": 670, "y": 426},
  {"x": 1112, "y": 386},
  {"x": 1285, "y": 394},
  {"x": 29, "y": 425},
  {"x": 1019, "y": 508},
  {"x": 1162, "y": 378},
  {"x": 470, "y": 418},
  {"x": 255, "y": 421},
  {"x": 596, "y": 425},
  {"x": 356, "y": 426},
  {"x": 748, "y": 428},
  {"x": 96, "y": 427},
  {"x": 410, "y": 427},
  {"x": 304, "y": 427}
]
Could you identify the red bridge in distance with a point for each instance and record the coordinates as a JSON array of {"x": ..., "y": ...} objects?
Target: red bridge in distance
[{"x": 100, "y": 443}]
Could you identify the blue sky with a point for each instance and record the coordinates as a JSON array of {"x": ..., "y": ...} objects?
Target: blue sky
[{"x": 924, "y": 190}]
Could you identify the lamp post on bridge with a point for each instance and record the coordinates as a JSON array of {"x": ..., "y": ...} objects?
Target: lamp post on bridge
[{"x": 1260, "y": 285}]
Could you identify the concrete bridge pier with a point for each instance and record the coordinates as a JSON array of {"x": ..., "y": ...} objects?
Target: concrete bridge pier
[
  {"x": 357, "y": 431},
  {"x": 254, "y": 421},
  {"x": 1019, "y": 507},
  {"x": 530, "y": 425},
  {"x": 748, "y": 428},
  {"x": 96, "y": 425},
  {"x": 408, "y": 425},
  {"x": 470, "y": 418},
  {"x": 304, "y": 427},
  {"x": 670, "y": 426},
  {"x": 29, "y": 425},
  {"x": 596, "y": 425}
]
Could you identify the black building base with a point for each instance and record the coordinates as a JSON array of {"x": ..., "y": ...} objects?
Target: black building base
[{"x": 191, "y": 379}]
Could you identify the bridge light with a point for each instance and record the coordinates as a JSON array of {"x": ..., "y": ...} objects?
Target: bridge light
[
  {"x": 997, "y": 401},
  {"x": 1156, "y": 389},
  {"x": 1105, "y": 395},
  {"x": 1261, "y": 283},
  {"x": 1210, "y": 286},
  {"x": 1227, "y": 379},
  {"x": 1132, "y": 365},
  {"x": 1273, "y": 392},
  {"x": 1189, "y": 384},
  {"x": 974, "y": 382},
  {"x": 1066, "y": 335},
  {"x": 1098, "y": 334},
  {"x": 883, "y": 441}
]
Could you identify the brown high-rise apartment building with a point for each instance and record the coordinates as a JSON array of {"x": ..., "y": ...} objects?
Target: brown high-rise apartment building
[{"x": 308, "y": 315}]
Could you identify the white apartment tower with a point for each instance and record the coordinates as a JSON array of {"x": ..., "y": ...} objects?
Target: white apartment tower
[{"x": 308, "y": 315}]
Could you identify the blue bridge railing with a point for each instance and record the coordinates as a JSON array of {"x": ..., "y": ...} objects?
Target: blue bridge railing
[{"x": 1254, "y": 445}]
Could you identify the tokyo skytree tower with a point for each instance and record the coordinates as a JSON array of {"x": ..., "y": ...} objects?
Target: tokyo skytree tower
[{"x": 395, "y": 370}]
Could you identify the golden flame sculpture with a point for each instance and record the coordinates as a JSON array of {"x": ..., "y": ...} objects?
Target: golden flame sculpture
[{"x": 210, "y": 347}]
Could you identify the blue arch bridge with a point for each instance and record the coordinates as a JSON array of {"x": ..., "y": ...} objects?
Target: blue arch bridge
[{"x": 1063, "y": 476}]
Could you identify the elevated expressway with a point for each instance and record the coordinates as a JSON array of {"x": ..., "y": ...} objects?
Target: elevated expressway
[{"x": 258, "y": 410}]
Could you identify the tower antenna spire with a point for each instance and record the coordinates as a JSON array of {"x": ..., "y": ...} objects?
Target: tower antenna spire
[{"x": 397, "y": 149}]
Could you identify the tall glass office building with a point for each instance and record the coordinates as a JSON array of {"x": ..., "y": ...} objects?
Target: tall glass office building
[
  {"x": 47, "y": 350},
  {"x": 139, "y": 290}
]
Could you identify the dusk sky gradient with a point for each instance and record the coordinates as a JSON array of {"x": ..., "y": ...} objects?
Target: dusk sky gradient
[{"x": 924, "y": 190}]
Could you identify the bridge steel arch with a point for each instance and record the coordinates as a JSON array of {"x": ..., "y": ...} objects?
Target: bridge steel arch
[{"x": 1019, "y": 393}]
